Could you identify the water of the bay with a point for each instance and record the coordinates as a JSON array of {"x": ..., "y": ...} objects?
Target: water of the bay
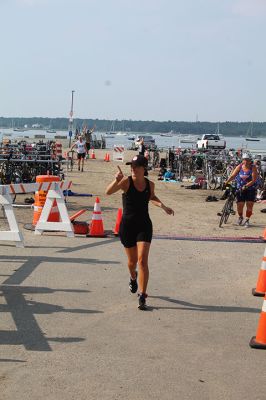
[{"x": 161, "y": 141}]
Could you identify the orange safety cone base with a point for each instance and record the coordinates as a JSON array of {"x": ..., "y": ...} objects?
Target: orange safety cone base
[
  {"x": 98, "y": 236},
  {"x": 261, "y": 284},
  {"x": 256, "y": 345},
  {"x": 96, "y": 229},
  {"x": 96, "y": 225},
  {"x": 258, "y": 294}
]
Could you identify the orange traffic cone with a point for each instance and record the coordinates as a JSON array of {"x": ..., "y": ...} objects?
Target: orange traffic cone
[
  {"x": 260, "y": 289},
  {"x": 264, "y": 235},
  {"x": 54, "y": 215},
  {"x": 96, "y": 226},
  {"x": 93, "y": 156},
  {"x": 107, "y": 157},
  {"x": 259, "y": 341},
  {"x": 118, "y": 221}
]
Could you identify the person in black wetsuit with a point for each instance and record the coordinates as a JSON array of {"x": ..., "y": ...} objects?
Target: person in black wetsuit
[{"x": 136, "y": 227}]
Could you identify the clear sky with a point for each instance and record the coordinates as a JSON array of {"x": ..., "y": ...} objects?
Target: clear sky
[{"x": 134, "y": 59}]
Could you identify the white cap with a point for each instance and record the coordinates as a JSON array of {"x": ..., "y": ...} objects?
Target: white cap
[{"x": 246, "y": 156}]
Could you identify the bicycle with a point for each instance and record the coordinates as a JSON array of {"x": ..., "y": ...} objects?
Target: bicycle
[
  {"x": 70, "y": 160},
  {"x": 155, "y": 158},
  {"x": 228, "y": 207}
]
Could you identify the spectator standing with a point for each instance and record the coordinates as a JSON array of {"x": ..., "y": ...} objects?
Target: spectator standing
[
  {"x": 142, "y": 147},
  {"x": 80, "y": 145}
]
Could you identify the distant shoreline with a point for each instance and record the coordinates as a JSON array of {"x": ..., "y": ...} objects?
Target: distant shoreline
[{"x": 198, "y": 128}]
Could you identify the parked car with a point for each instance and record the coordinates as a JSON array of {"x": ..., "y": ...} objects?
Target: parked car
[{"x": 211, "y": 141}]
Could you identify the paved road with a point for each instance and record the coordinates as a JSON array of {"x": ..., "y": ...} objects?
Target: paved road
[{"x": 70, "y": 329}]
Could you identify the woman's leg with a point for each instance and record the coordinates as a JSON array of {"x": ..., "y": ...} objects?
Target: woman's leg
[
  {"x": 132, "y": 259},
  {"x": 240, "y": 206},
  {"x": 143, "y": 249},
  {"x": 82, "y": 163},
  {"x": 249, "y": 209}
]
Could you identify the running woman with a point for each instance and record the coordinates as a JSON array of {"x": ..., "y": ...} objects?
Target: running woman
[
  {"x": 81, "y": 151},
  {"x": 136, "y": 226},
  {"x": 246, "y": 176}
]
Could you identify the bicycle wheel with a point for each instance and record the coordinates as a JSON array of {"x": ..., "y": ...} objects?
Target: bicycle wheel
[
  {"x": 230, "y": 208},
  {"x": 225, "y": 212}
]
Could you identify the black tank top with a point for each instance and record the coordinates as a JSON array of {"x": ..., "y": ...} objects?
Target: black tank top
[{"x": 135, "y": 203}]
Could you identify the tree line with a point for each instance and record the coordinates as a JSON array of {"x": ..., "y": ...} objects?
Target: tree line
[{"x": 198, "y": 127}]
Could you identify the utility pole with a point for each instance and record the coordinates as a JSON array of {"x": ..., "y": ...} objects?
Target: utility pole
[{"x": 70, "y": 125}]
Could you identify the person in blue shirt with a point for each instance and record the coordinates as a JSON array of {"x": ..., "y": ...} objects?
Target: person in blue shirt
[
  {"x": 245, "y": 175},
  {"x": 169, "y": 175}
]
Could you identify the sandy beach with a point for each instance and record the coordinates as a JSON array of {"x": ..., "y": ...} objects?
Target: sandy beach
[{"x": 70, "y": 329}]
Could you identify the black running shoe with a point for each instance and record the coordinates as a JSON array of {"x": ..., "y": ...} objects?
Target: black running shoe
[
  {"x": 142, "y": 301},
  {"x": 133, "y": 284}
]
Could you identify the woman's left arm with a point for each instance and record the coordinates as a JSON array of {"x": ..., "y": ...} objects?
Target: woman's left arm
[
  {"x": 157, "y": 202},
  {"x": 254, "y": 177}
]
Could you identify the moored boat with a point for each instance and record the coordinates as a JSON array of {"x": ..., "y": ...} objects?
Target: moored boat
[
  {"x": 110, "y": 135},
  {"x": 132, "y": 137},
  {"x": 249, "y": 136},
  {"x": 166, "y": 134},
  {"x": 187, "y": 139}
]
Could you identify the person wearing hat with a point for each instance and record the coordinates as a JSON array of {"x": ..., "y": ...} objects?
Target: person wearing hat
[
  {"x": 246, "y": 176},
  {"x": 136, "y": 227}
]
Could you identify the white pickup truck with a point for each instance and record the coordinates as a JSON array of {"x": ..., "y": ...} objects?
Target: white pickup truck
[{"x": 211, "y": 141}]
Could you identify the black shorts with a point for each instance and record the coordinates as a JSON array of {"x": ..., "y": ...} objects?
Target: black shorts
[
  {"x": 81, "y": 155},
  {"x": 131, "y": 232},
  {"x": 246, "y": 195}
]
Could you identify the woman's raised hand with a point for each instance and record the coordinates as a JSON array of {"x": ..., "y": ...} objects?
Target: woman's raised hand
[{"x": 119, "y": 175}]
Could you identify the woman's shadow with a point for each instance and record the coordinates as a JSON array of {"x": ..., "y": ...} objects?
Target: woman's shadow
[{"x": 185, "y": 305}]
